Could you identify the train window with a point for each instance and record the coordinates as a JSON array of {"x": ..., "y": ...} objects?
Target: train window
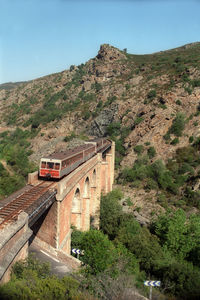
[
  {"x": 50, "y": 165},
  {"x": 43, "y": 164},
  {"x": 57, "y": 166},
  {"x": 63, "y": 164}
]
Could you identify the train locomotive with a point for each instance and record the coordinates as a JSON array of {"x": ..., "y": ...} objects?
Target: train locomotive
[{"x": 59, "y": 164}]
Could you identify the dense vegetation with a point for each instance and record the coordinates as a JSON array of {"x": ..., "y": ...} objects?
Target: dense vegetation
[
  {"x": 173, "y": 181},
  {"x": 32, "y": 280},
  {"x": 168, "y": 250},
  {"x": 14, "y": 162}
]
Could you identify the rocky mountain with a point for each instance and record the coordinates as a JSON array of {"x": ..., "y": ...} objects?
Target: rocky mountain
[{"x": 149, "y": 104}]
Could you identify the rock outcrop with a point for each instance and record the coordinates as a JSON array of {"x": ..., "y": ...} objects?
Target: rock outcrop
[{"x": 100, "y": 124}]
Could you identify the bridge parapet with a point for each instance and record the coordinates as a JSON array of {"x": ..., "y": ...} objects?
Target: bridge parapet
[
  {"x": 13, "y": 244},
  {"x": 33, "y": 177},
  {"x": 66, "y": 184}
]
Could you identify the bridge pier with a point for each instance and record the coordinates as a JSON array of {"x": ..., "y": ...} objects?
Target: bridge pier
[{"x": 45, "y": 228}]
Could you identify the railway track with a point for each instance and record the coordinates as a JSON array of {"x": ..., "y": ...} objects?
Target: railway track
[{"x": 10, "y": 212}]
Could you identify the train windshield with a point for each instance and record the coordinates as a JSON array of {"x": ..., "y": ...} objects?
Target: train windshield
[
  {"x": 43, "y": 164},
  {"x": 50, "y": 165},
  {"x": 57, "y": 166}
]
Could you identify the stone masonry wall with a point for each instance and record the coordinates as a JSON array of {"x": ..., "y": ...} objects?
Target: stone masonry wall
[{"x": 13, "y": 245}]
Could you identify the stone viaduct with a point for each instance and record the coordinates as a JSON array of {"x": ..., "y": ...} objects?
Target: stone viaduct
[{"x": 75, "y": 203}]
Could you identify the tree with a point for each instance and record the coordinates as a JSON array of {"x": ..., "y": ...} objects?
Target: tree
[
  {"x": 99, "y": 252},
  {"x": 181, "y": 279},
  {"x": 31, "y": 279},
  {"x": 177, "y": 234},
  {"x": 110, "y": 213}
]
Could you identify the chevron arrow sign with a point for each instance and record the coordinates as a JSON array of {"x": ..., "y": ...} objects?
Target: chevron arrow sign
[
  {"x": 152, "y": 283},
  {"x": 77, "y": 251}
]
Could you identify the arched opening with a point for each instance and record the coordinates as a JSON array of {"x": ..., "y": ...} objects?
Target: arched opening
[
  {"x": 86, "y": 188},
  {"x": 94, "y": 177},
  {"x": 76, "y": 203}
]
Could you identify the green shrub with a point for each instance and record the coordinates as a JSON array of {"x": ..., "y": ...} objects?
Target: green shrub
[
  {"x": 151, "y": 152},
  {"x": 110, "y": 100},
  {"x": 70, "y": 137},
  {"x": 195, "y": 123},
  {"x": 188, "y": 90},
  {"x": 89, "y": 97},
  {"x": 163, "y": 106},
  {"x": 192, "y": 197},
  {"x": 191, "y": 139},
  {"x": 100, "y": 104},
  {"x": 151, "y": 184},
  {"x": 139, "y": 149},
  {"x": 178, "y": 102},
  {"x": 185, "y": 77},
  {"x": 113, "y": 129},
  {"x": 162, "y": 176},
  {"x": 195, "y": 83},
  {"x": 162, "y": 200},
  {"x": 138, "y": 120},
  {"x": 175, "y": 141},
  {"x": 151, "y": 95},
  {"x": 187, "y": 154},
  {"x": 135, "y": 184},
  {"x": 178, "y": 125},
  {"x": 166, "y": 137},
  {"x": 86, "y": 115},
  {"x": 196, "y": 142},
  {"x": 138, "y": 172},
  {"x": 72, "y": 67},
  {"x": 97, "y": 86},
  {"x": 186, "y": 168}
]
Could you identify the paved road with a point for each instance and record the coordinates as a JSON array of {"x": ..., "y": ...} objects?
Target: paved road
[{"x": 57, "y": 267}]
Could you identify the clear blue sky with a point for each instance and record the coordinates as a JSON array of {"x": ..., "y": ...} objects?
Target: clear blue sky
[{"x": 40, "y": 37}]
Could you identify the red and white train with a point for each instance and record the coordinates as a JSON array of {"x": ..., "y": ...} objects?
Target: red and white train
[{"x": 60, "y": 164}]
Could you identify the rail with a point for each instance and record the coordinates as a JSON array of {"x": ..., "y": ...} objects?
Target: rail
[{"x": 10, "y": 212}]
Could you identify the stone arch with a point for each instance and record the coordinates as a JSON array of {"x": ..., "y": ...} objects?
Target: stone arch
[
  {"x": 86, "y": 193},
  {"x": 76, "y": 202},
  {"x": 94, "y": 177}
]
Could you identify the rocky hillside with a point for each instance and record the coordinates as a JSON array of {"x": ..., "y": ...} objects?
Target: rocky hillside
[{"x": 149, "y": 104}]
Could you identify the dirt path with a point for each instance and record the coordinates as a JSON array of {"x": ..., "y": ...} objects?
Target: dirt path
[{"x": 8, "y": 168}]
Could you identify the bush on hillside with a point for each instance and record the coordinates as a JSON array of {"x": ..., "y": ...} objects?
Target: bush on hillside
[{"x": 178, "y": 125}]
